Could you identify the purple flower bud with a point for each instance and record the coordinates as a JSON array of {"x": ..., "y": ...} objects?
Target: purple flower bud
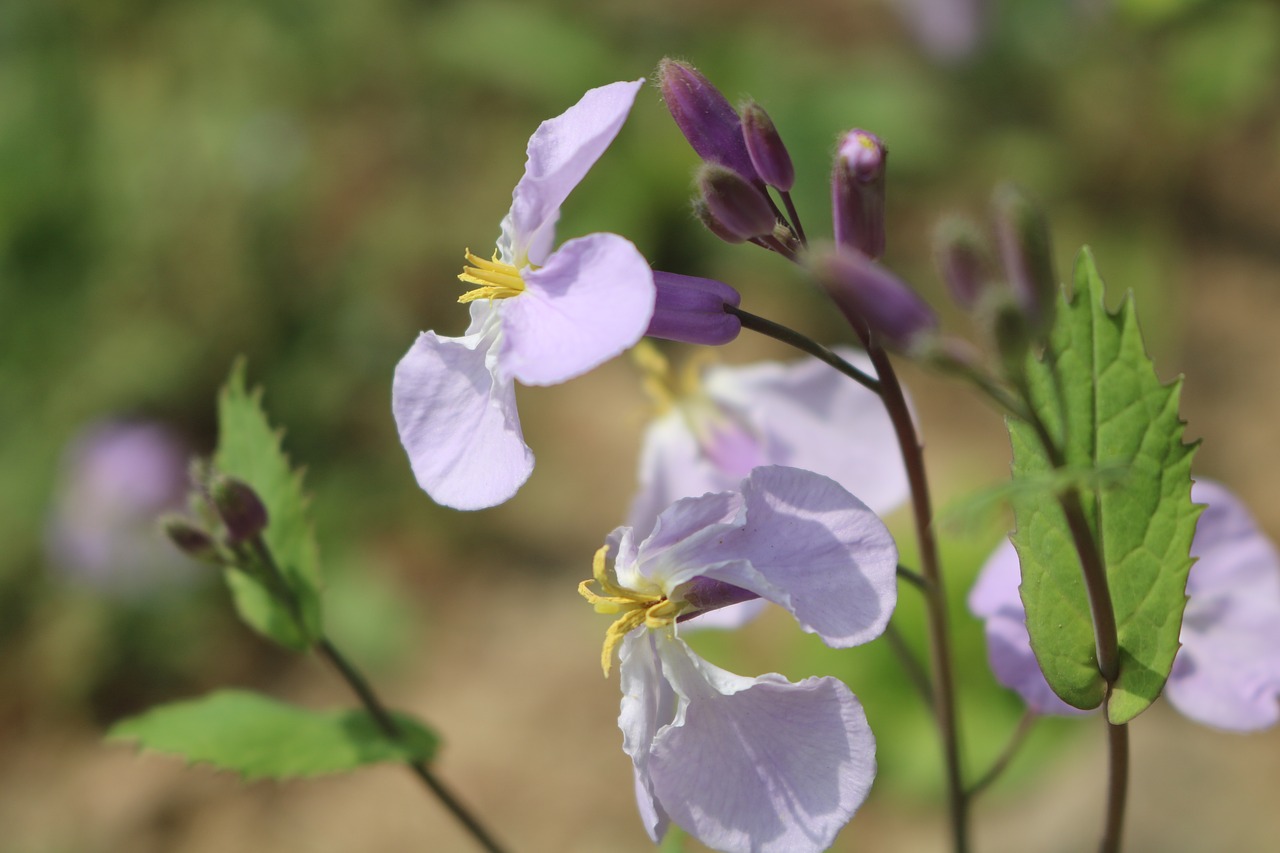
[
  {"x": 963, "y": 261},
  {"x": 1027, "y": 253},
  {"x": 239, "y": 507},
  {"x": 190, "y": 539},
  {"x": 857, "y": 193},
  {"x": 714, "y": 225},
  {"x": 764, "y": 145},
  {"x": 705, "y": 117},
  {"x": 707, "y": 595},
  {"x": 691, "y": 310},
  {"x": 739, "y": 207},
  {"x": 873, "y": 298}
]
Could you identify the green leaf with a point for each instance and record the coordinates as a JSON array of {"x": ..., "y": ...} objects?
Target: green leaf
[
  {"x": 1099, "y": 397},
  {"x": 259, "y": 737},
  {"x": 249, "y": 448}
]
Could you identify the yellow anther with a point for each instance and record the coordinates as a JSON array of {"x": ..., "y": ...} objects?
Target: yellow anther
[
  {"x": 496, "y": 279},
  {"x": 637, "y": 608}
]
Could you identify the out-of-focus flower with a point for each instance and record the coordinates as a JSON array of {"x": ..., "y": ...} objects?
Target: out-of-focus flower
[
  {"x": 717, "y": 423},
  {"x": 538, "y": 317},
  {"x": 948, "y": 30},
  {"x": 759, "y": 764},
  {"x": 116, "y": 480},
  {"x": 1227, "y": 672}
]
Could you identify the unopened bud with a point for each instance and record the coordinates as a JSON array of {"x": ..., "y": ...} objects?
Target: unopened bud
[
  {"x": 239, "y": 507},
  {"x": 714, "y": 225},
  {"x": 1026, "y": 251},
  {"x": 872, "y": 298},
  {"x": 692, "y": 310},
  {"x": 768, "y": 155},
  {"x": 963, "y": 261},
  {"x": 190, "y": 539},
  {"x": 739, "y": 207},
  {"x": 705, "y": 117},
  {"x": 857, "y": 193}
]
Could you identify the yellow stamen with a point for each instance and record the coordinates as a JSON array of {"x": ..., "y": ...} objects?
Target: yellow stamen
[
  {"x": 496, "y": 279},
  {"x": 654, "y": 611}
]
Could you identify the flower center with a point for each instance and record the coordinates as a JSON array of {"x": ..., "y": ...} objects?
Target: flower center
[
  {"x": 653, "y": 610},
  {"x": 496, "y": 279}
]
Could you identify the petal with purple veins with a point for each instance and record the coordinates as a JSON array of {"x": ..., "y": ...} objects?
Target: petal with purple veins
[{"x": 760, "y": 764}]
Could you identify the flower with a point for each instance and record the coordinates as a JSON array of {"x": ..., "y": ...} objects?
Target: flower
[
  {"x": 760, "y": 764},
  {"x": 1227, "y": 672},
  {"x": 537, "y": 316},
  {"x": 718, "y": 423},
  {"x": 116, "y": 478}
]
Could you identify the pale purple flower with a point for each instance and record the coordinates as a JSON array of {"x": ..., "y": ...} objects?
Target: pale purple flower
[
  {"x": 759, "y": 764},
  {"x": 538, "y": 317},
  {"x": 1227, "y": 672},
  {"x": 116, "y": 478},
  {"x": 719, "y": 423}
]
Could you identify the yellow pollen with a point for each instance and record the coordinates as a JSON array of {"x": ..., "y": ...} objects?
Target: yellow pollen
[
  {"x": 496, "y": 279},
  {"x": 652, "y": 611}
]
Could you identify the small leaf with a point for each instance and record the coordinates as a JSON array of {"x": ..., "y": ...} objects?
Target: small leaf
[
  {"x": 1098, "y": 394},
  {"x": 249, "y": 449},
  {"x": 259, "y": 737}
]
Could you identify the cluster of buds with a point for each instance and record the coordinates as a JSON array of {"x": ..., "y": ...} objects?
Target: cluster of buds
[
  {"x": 229, "y": 513},
  {"x": 744, "y": 159}
]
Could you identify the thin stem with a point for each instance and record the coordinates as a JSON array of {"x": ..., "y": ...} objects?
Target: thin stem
[
  {"x": 1117, "y": 787},
  {"x": 895, "y": 404},
  {"x": 910, "y": 664},
  {"x": 387, "y": 723},
  {"x": 1106, "y": 634},
  {"x": 805, "y": 344},
  {"x": 360, "y": 686},
  {"x": 914, "y": 578},
  {"x": 1019, "y": 737}
]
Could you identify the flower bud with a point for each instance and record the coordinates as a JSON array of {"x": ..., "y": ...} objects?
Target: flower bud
[
  {"x": 857, "y": 193},
  {"x": 691, "y": 310},
  {"x": 872, "y": 298},
  {"x": 1022, "y": 232},
  {"x": 738, "y": 206},
  {"x": 963, "y": 261},
  {"x": 768, "y": 155},
  {"x": 190, "y": 539},
  {"x": 706, "y": 595},
  {"x": 714, "y": 225},
  {"x": 239, "y": 507},
  {"x": 705, "y": 117}
]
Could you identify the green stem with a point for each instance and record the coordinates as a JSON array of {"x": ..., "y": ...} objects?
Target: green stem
[
  {"x": 791, "y": 337},
  {"x": 944, "y": 704},
  {"x": 377, "y": 710},
  {"x": 1117, "y": 786},
  {"x": 1006, "y": 756},
  {"x": 915, "y": 671}
]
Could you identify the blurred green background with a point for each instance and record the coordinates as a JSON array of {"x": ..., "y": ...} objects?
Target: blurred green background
[{"x": 183, "y": 182}]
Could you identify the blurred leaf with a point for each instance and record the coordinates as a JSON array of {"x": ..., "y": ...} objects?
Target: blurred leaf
[
  {"x": 1098, "y": 394},
  {"x": 259, "y": 737},
  {"x": 248, "y": 448}
]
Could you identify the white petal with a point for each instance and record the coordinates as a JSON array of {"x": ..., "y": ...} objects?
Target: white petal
[
  {"x": 760, "y": 764},
  {"x": 561, "y": 152},
  {"x": 590, "y": 302},
  {"x": 458, "y": 422},
  {"x": 648, "y": 704}
]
